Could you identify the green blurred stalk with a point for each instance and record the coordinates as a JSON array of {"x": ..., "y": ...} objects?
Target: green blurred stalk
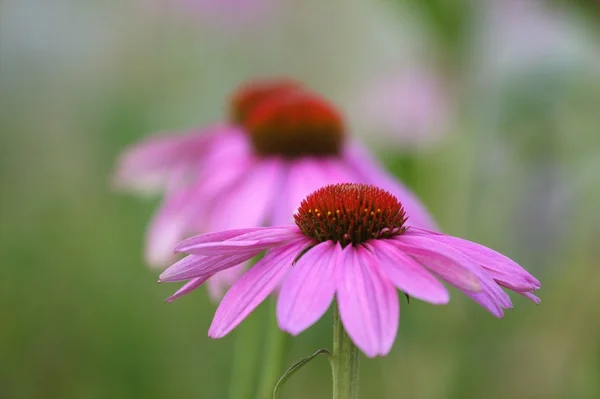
[
  {"x": 246, "y": 355},
  {"x": 273, "y": 353},
  {"x": 344, "y": 361}
]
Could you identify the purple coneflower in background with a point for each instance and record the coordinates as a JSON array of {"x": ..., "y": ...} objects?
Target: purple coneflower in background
[
  {"x": 350, "y": 242},
  {"x": 406, "y": 110},
  {"x": 282, "y": 142}
]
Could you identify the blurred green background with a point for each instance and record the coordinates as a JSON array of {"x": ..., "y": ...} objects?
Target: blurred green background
[{"x": 517, "y": 168}]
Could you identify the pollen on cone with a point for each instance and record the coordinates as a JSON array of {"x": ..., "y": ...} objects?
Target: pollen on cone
[{"x": 350, "y": 213}]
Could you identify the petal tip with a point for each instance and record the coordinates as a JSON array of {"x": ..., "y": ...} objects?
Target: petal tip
[
  {"x": 215, "y": 334},
  {"x": 180, "y": 249},
  {"x": 441, "y": 300},
  {"x": 370, "y": 354}
]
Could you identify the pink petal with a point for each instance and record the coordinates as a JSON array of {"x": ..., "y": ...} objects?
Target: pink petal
[
  {"x": 257, "y": 240},
  {"x": 170, "y": 160},
  {"x": 371, "y": 172},
  {"x": 253, "y": 287},
  {"x": 262, "y": 235},
  {"x": 407, "y": 274},
  {"x": 308, "y": 289},
  {"x": 193, "y": 266},
  {"x": 449, "y": 267},
  {"x": 488, "y": 303},
  {"x": 147, "y": 166},
  {"x": 272, "y": 235},
  {"x": 367, "y": 301},
  {"x": 248, "y": 203},
  {"x": 442, "y": 258},
  {"x": 176, "y": 218},
  {"x": 187, "y": 288},
  {"x": 218, "y": 178},
  {"x": 500, "y": 267},
  {"x": 230, "y": 143},
  {"x": 192, "y": 242},
  {"x": 531, "y": 297},
  {"x": 166, "y": 230}
]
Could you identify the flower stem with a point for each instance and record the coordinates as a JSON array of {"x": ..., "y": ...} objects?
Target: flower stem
[
  {"x": 245, "y": 358},
  {"x": 344, "y": 362},
  {"x": 274, "y": 352}
]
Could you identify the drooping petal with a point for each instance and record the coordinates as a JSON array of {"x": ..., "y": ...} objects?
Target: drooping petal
[
  {"x": 367, "y": 301},
  {"x": 217, "y": 178},
  {"x": 442, "y": 258},
  {"x": 166, "y": 230},
  {"x": 187, "y": 288},
  {"x": 501, "y": 268},
  {"x": 308, "y": 289},
  {"x": 169, "y": 161},
  {"x": 248, "y": 203},
  {"x": 371, "y": 172},
  {"x": 184, "y": 204},
  {"x": 446, "y": 267},
  {"x": 407, "y": 274},
  {"x": 230, "y": 144},
  {"x": 531, "y": 297},
  {"x": 146, "y": 167},
  {"x": 253, "y": 287},
  {"x": 257, "y": 240},
  {"x": 193, "y": 266},
  {"x": 262, "y": 235}
]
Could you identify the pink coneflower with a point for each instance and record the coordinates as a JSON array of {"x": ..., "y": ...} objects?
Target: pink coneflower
[
  {"x": 406, "y": 110},
  {"x": 282, "y": 142},
  {"x": 351, "y": 242}
]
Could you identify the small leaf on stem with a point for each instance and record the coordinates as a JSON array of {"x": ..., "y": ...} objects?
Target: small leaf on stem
[{"x": 297, "y": 366}]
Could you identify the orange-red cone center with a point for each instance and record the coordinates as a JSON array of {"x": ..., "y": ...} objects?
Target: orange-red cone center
[
  {"x": 350, "y": 214},
  {"x": 283, "y": 118}
]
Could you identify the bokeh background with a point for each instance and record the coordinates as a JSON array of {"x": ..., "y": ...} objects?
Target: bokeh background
[{"x": 488, "y": 109}]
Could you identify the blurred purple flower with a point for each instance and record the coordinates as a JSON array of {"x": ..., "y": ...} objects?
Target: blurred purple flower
[
  {"x": 351, "y": 242},
  {"x": 282, "y": 143},
  {"x": 407, "y": 110},
  {"x": 517, "y": 36}
]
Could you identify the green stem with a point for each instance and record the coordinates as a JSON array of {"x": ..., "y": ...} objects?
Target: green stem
[
  {"x": 344, "y": 362},
  {"x": 245, "y": 358},
  {"x": 274, "y": 352}
]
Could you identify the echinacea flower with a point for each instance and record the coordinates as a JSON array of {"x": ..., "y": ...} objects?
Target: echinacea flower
[
  {"x": 407, "y": 110},
  {"x": 282, "y": 142},
  {"x": 350, "y": 242}
]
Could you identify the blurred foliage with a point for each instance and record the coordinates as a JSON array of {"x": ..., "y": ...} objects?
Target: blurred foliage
[{"x": 83, "y": 316}]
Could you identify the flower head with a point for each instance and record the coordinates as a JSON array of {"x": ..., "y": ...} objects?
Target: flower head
[
  {"x": 350, "y": 214},
  {"x": 350, "y": 242},
  {"x": 282, "y": 142}
]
